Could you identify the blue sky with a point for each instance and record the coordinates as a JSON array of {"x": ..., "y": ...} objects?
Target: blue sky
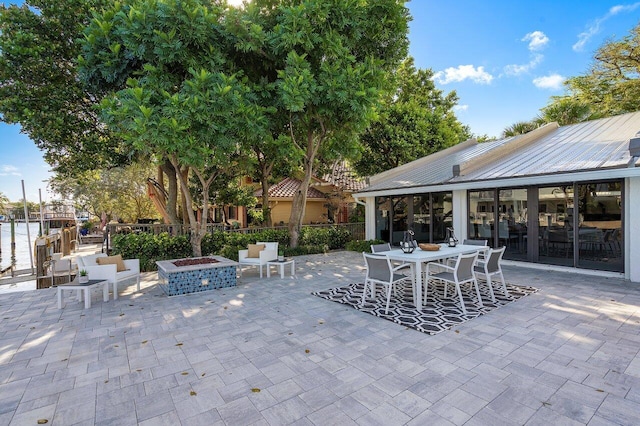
[{"x": 505, "y": 59}]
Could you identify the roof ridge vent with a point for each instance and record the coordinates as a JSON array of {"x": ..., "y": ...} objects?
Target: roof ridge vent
[{"x": 505, "y": 149}]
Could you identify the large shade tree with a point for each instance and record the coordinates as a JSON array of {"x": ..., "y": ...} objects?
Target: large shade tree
[
  {"x": 412, "y": 121},
  {"x": 333, "y": 59},
  {"x": 187, "y": 100},
  {"x": 40, "y": 88}
]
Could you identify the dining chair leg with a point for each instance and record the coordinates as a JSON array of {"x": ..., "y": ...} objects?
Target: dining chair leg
[
  {"x": 475, "y": 283},
  {"x": 504, "y": 285},
  {"x": 364, "y": 293},
  {"x": 386, "y": 310},
  {"x": 490, "y": 284},
  {"x": 464, "y": 309}
]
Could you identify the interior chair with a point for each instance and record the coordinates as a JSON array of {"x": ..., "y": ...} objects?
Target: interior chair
[
  {"x": 491, "y": 267},
  {"x": 461, "y": 273},
  {"x": 258, "y": 254},
  {"x": 380, "y": 271}
]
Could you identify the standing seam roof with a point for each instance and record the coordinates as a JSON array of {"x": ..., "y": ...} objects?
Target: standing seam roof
[{"x": 592, "y": 145}]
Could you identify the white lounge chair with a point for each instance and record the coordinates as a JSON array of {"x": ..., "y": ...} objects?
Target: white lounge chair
[
  {"x": 110, "y": 272},
  {"x": 258, "y": 256}
]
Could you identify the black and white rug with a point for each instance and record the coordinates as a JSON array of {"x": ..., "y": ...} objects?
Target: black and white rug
[{"x": 439, "y": 314}]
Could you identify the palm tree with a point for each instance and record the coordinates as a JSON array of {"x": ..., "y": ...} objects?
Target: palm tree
[
  {"x": 520, "y": 128},
  {"x": 566, "y": 110}
]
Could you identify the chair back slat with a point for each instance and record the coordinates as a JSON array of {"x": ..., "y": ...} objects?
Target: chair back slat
[
  {"x": 475, "y": 242},
  {"x": 495, "y": 256},
  {"x": 378, "y": 267},
  {"x": 464, "y": 266},
  {"x": 377, "y": 248}
]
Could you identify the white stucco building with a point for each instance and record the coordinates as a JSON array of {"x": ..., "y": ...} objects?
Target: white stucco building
[{"x": 564, "y": 196}]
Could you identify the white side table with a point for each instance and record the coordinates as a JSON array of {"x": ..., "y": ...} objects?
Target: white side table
[
  {"x": 86, "y": 287},
  {"x": 280, "y": 264}
]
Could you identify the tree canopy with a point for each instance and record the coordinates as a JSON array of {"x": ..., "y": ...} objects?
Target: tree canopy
[
  {"x": 412, "y": 121},
  {"x": 40, "y": 88},
  {"x": 186, "y": 99},
  {"x": 333, "y": 60}
]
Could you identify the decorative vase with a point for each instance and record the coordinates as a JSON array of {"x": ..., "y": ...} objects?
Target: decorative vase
[
  {"x": 83, "y": 279},
  {"x": 453, "y": 241},
  {"x": 280, "y": 258},
  {"x": 408, "y": 245}
]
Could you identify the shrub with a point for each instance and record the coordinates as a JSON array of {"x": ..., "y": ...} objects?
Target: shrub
[
  {"x": 150, "y": 248},
  {"x": 362, "y": 245}
]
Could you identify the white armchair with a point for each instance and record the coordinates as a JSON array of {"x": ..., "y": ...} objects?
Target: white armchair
[
  {"x": 254, "y": 256},
  {"x": 110, "y": 272}
]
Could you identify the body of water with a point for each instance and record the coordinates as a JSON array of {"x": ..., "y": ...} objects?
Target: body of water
[{"x": 22, "y": 244}]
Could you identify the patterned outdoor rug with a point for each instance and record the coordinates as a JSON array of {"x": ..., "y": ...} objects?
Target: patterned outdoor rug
[{"x": 438, "y": 315}]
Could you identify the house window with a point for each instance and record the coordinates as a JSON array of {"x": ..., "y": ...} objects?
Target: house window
[
  {"x": 428, "y": 215},
  {"x": 232, "y": 212},
  {"x": 569, "y": 224}
]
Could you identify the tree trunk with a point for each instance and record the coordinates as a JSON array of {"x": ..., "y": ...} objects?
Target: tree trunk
[
  {"x": 172, "y": 194},
  {"x": 298, "y": 207},
  {"x": 194, "y": 226},
  {"x": 299, "y": 202},
  {"x": 185, "y": 208},
  {"x": 266, "y": 211}
]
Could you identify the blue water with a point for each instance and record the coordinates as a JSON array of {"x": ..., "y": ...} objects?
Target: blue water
[{"x": 22, "y": 245}]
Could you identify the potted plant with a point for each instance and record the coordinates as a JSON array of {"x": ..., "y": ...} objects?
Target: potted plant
[
  {"x": 280, "y": 255},
  {"x": 83, "y": 276}
]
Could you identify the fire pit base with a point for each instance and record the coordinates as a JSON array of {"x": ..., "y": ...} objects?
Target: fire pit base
[{"x": 198, "y": 274}]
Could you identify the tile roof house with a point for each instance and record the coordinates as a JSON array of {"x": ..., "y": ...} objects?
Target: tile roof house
[
  {"x": 563, "y": 196},
  {"x": 328, "y": 198}
]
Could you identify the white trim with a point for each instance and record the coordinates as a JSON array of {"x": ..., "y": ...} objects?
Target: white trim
[{"x": 508, "y": 182}]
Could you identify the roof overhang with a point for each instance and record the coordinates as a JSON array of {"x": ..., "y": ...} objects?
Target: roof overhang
[{"x": 547, "y": 179}]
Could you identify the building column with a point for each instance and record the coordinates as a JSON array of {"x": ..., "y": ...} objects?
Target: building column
[
  {"x": 460, "y": 214},
  {"x": 632, "y": 229},
  {"x": 370, "y": 218}
]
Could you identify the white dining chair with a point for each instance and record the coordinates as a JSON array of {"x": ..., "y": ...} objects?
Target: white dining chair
[
  {"x": 461, "y": 273},
  {"x": 491, "y": 267},
  {"x": 380, "y": 271}
]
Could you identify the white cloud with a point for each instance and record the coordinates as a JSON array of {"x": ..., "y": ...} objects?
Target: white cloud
[
  {"x": 594, "y": 27},
  {"x": 552, "y": 82},
  {"x": 537, "y": 40},
  {"x": 461, "y": 107},
  {"x": 9, "y": 170},
  {"x": 516, "y": 69},
  {"x": 461, "y": 73}
]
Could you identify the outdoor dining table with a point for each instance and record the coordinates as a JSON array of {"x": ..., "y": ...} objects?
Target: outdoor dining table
[{"x": 419, "y": 256}]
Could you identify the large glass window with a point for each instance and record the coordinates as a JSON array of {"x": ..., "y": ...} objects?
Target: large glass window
[
  {"x": 482, "y": 215},
  {"x": 428, "y": 215},
  {"x": 442, "y": 206},
  {"x": 422, "y": 217},
  {"x": 401, "y": 220},
  {"x": 600, "y": 226},
  {"x": 555, "y": 225},
  {"x": 383, "y": 218},
  {"x": 538, "y": 224},
  {"x": 512, "y": 222}
]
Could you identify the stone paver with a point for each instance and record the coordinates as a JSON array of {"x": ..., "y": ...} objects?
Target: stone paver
[{"x": 267, "y": 352}]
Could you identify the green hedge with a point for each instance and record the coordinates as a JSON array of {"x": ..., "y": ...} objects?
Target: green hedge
[
  {"x": 362, "y": 246},
  {"x": 150, "y": 248}
]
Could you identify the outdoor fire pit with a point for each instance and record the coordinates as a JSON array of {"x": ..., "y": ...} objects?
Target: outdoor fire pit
[{"x": 191, "y": 275}]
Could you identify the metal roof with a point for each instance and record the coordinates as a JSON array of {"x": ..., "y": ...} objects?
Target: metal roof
[{"x": 593, "y": 145}]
